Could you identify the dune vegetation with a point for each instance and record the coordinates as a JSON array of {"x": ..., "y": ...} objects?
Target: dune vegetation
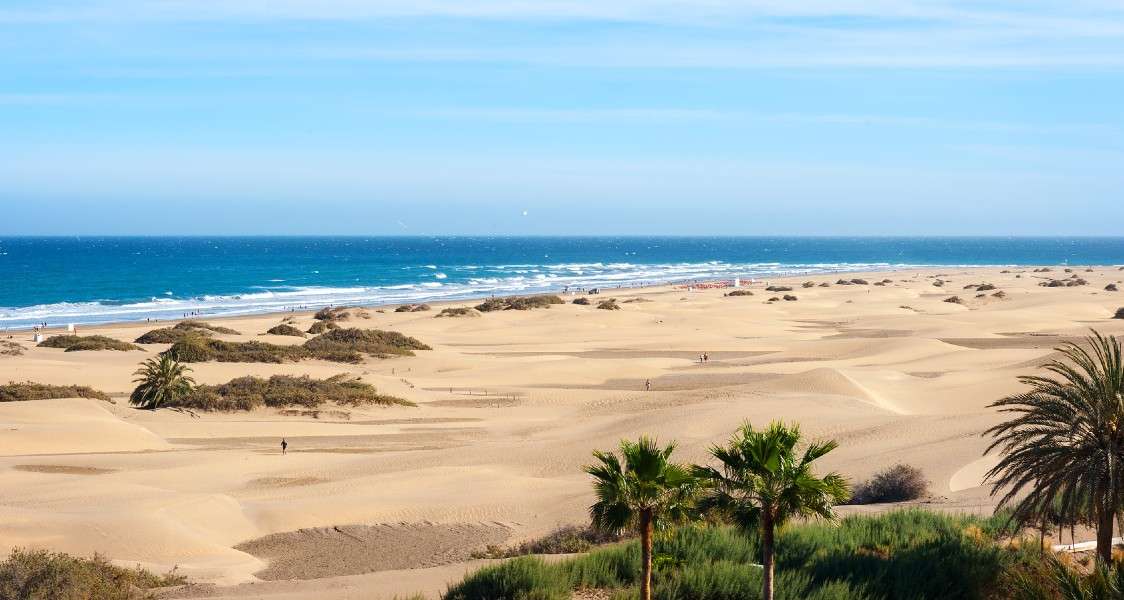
[
  {"x": 285, "y": 329},
  {"x": 337, "y": 345},
  {"x": 76, "y": 343},
  {"x": 35, "y": 574},
  {"x": 519, "y": 303},
  {"x": 9, "y": 348},
  {"x": 18, "y": 392},
  {"x": 319, "y": 327},
  {"x": 171, "y": 335},
  {"x": 458, "y": 311},
  {"x": 285, "y": 391}
]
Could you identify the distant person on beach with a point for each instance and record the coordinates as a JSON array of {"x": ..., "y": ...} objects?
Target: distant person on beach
[
  {"x": 284, "y": 446},
  {"x": 647, "y": 385}
]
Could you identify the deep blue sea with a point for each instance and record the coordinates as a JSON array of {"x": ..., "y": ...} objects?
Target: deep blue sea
[{"x": 91, "y": 280}]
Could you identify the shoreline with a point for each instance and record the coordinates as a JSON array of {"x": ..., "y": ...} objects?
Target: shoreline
[{"x": 53, "y": 327}]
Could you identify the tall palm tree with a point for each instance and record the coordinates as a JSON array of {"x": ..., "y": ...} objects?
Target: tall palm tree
[
  {"x": 762, "y": 482},
  {"x": 160, "y": 381},
  {"x": 640, "y": 490},
  {"x": 1065, "y": 443}
]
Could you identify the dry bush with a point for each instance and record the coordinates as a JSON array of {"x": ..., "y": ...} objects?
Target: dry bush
[
  {"x": 367, "y": 341},
  {"x": 737, "y": 293},
  {"x": 285, "y": 391},
  {"x": 38, "y": 574},
  {"x": 610, "y": 304},
  {"x": 898, "y": 483},
  {"x": 28, "y": 390},
  {"x": 8, "y": 348},
  {"x": 954, "y": 300},
  {"x": 790, "y": 298},
  {"x": 1119, "y": 314},
  {"x": 284, "y": 329},
  {"x": 413, "y": 308},
  {"x": 519, "y": 303},
  {"x": 581, "y": 301},
  {"x": 338, "y": 313},
  {"x": 321, "y": 326},
  {"x": 778, "y": 288},
  {"x": 458, "y": 311},
  {"x": 76, "y": 343}
]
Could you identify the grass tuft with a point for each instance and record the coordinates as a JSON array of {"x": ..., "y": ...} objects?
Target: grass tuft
[
  {"x": 37, "y": 574},
  {"x": 28, "y": 390},
  {"x": 284, "y": 329},
  {"x": 77, "y": 343}
]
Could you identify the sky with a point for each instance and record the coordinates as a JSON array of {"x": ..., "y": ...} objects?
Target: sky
[{"x": 521, "y": 117}]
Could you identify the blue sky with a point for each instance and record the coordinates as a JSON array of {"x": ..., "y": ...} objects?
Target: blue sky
[{"x": 517, "y": 117}]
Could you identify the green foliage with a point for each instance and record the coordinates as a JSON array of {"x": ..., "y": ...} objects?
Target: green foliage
[
  {"x": 161, "y": 382},
  {"x": 195, "y": 348},
  {"x": 898, "y": 483},
  {"x": 519, "y": 303},
  {"x": 19, "y": 392},
  {"x": 76, "y": 343},
  {"x": 282, "y": 391},
  {"x": 1064, "y": 441},
  {"x": 37, "y": 574},
  {"x": 285, "y": 329},
  {"x": 907, "y": 554}
]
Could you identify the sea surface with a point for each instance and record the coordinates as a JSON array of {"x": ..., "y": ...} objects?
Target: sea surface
[{"x": 78, "y": 280}]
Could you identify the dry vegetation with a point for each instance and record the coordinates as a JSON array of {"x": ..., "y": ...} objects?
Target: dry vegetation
[
  {"x": 285, "y": 391},
  {"x": 171, "y": 335},
  {"x": 413, "y": 308},
  {"x": 38, "y": 574},
  {"x": 284, "y": 329},
  {"x": 28, "y": 390},
  {"x": 322, "y": 326},
  {"x": 338, "y": 313},
  {"x": 8, "y": 348},
  {"x": 76, "y": 343},
  {"x": 610, "y": 304},
  {"x": 899, "y": 483},
  {"x": 736, "y": 293},
  {"x": 337, "y": 345},
  {"x": 519, "y": 303},
  {"x": 459, "y": 311},
  {"x": 567, "y": 539}
]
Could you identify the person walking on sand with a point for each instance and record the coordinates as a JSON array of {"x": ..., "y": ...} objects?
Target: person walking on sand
[
  {"x": 284, "y": 446},
  {"x": 647, "y": 385}
]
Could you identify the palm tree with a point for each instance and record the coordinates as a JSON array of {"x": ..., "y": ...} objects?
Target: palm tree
[
  {"x": 763, "y": 482},
  {"x": 645, "y": 493},
  {"x": 1065, "y": 443},
  {"x": 161, "y": 381}
]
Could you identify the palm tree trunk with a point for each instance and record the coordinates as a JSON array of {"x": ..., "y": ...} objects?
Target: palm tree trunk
[
  {"x": 767, "y": 556},
  {"x": 646, "y": 554},
  {"x": 1104, "y": 535}
]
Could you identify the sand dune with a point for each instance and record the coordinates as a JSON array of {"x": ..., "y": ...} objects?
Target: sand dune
[{"x": 374, "y": 502}]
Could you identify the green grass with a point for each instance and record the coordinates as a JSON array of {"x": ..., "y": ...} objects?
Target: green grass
[
  {"x": 519, "y": 303},
  {"x": 284, "y": 329},
  {"x": 76, "y": 343},
  {"x": 37, "y": 574},
  {"x": 285, "y": 391},
  {"x": 908, "y": 554},
  {"x": 19, "y": 392}
]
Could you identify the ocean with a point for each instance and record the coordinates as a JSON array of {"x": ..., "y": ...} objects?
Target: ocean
[{"x": 79, "y": 280}]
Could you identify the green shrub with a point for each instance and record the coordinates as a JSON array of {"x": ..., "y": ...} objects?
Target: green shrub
[
  {"x": 284, "y": 391},
  {"x": 76, "y": 343},
  {"x": 519, "y": 303},
  {"x": 192, "y": 324},
  {"x": 284, "y": 329},
  {"x": 458, "y": 311},
  {"x": 18, "y": 392},
  {"x": 321, "y": 326},
  {"x": 38, "y": 574},
  {"x": 910, "y": 554},
  {"x": 195, "y": 348},
  {"x": 374, "y": 342},
  {"x": 898, "y": 483}
]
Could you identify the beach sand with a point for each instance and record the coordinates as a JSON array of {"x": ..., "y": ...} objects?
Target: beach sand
[{"x": 374, "y": 502}]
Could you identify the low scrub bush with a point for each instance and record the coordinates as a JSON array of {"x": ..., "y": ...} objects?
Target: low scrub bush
[
  {"x": 18, "y": 392},
  {"x": 519, "y": 303},
  {"x": 1119, "y": 314},
  {"x": 954, "y": 300},
  {"x": 374, "y": 342},
  {"x": 285, "y": 391},
  {"x": 790, "y": 298},
  {"x": 8, "y": 348},
  {"x": 171, "y": 335},
  {"x": 321, "y": 326},
  {"x": 196, "y": 348},
  {"x": 77, "y": 343},
  {"x": 582, "y": 301},
  {"x": 778, "y": 288},
  {"x": 610, "y": 304},
  {"x": 413, "y": 308},
  {"x": 458, "y": 311},
  {"x": 284, "y": 329},
  {"x": 898, "y": 483},
  {"x": 1111, "y": 288},
  {"x": 35, "y": 574},
  {"x": 338, "y": 313},
  {"x": 860, "y": 282},
  {"x": 740, "y": 293}
]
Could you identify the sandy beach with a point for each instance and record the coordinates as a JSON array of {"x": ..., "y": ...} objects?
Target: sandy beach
[{"x": 376, "y": 502}]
